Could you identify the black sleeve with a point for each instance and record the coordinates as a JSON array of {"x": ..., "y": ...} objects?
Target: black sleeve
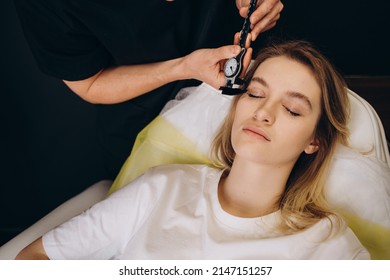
[{"x": 61, "y": 44}]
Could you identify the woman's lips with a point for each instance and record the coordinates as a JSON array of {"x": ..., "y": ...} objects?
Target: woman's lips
[{"x": 257, "y": 132}]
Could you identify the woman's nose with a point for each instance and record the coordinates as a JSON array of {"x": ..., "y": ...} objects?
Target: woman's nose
[{"x": 264, "y": 113}]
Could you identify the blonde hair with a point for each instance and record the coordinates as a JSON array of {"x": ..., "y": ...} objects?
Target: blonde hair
[{"x": 303, "y": 202}]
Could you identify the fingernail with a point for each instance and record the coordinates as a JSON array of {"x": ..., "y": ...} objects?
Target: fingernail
[{"x": 253, "y": 36}]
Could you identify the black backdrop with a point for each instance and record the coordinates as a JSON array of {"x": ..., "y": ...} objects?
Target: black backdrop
[{"x": 48, "y": 151}]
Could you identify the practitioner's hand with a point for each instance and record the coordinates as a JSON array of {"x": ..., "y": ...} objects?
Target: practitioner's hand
[
  {"x": 206, "y": 65},
  {"x": 264, "y": 17}
]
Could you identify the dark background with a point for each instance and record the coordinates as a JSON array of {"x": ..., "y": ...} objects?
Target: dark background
[{"x": 48, "y": 150}]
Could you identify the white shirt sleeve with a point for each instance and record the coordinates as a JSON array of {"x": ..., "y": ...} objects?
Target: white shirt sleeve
[{"x": 102, "y": 231}]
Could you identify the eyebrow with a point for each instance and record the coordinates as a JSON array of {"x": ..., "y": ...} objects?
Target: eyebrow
[
  {"x": 300, "y": 96},
  {"x": 260, "y": 81},
  {"x": 293, "y": 94}
]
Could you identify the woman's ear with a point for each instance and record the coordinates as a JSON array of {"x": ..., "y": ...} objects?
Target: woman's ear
[{"x": 312, "y": 147}]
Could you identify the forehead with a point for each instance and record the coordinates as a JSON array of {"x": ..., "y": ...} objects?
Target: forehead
[
  {"x": 284, "y": 74},
  {"x": 286, "y": 70}
]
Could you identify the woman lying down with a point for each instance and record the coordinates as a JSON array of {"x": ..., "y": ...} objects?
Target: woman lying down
[{"x": 266, "y": 202}]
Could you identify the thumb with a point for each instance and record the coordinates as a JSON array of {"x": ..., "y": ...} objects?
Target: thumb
[{"x": 226, "y": 52}]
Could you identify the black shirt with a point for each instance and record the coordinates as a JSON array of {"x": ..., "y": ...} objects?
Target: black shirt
[{"x": 74, "y": 39}]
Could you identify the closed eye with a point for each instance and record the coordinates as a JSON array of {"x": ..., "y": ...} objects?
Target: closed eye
[
  {"x": 255, "y": 95},
  {"x": 292, "y": 113}
]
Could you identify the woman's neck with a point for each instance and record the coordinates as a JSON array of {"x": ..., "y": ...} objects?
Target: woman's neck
[{"x": 252, "y": 190}]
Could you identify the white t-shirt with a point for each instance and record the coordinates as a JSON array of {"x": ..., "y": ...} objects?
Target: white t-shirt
[{"x": 173, "y": 212}]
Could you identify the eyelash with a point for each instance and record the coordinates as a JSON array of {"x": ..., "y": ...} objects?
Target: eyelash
[
  {"x": 254, "y": 95},
  {"x": 292, "y": 113}
]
